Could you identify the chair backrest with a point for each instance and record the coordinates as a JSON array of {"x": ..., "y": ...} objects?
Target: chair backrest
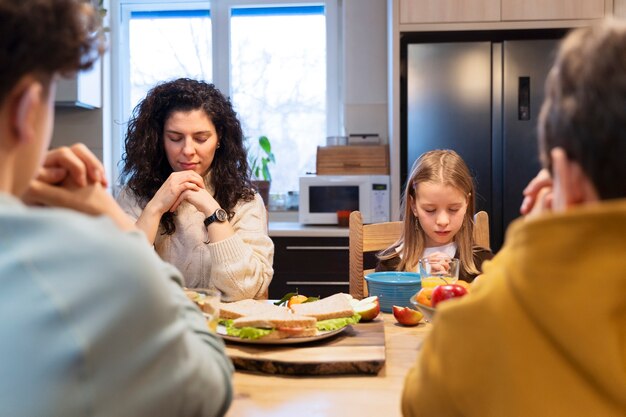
[
  {"x": 367, "y": 238},
  {"x": 481, "y": 229},
  {"x": 378, "y": 236}
]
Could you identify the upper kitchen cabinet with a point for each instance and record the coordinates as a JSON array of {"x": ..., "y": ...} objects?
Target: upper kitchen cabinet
[
  {"x": 416, "y": 12},
  {"x": 552, "y": 9},
  {"x": 620, "y": 8},
  {"x": 448, "y": 11},
  {"x": 83, "y": 90}
]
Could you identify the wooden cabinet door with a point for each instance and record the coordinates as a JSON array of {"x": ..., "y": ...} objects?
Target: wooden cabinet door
[
  {"x": 445, "y": 11},
  {"x": 552, "y": 9},
  {"x": 314, "y": 266},
  {"x": 619, "y": 8}
]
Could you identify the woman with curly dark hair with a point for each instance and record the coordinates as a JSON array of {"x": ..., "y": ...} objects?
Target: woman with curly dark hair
[{"x": 188, "y": 187}]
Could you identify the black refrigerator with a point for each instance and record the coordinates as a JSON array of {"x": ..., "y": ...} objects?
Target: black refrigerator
[{"x": 478, "y": 93}]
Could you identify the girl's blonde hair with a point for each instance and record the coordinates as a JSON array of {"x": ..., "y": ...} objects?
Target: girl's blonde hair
[{"x": 444, "y": 167}]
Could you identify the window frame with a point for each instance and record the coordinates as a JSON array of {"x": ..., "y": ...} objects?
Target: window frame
[{"x": 220, "y": 23}]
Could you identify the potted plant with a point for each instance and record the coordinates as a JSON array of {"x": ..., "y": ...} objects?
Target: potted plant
[{"x": 260, "y": 159}]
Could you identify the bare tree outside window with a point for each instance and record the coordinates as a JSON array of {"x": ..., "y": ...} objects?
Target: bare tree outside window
[
  {"x": 164, "y": 46},
  {"x": 278, "y": 79}
]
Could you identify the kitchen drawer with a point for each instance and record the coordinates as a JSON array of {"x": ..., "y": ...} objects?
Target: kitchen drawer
[{"x": 314, "y": 266}]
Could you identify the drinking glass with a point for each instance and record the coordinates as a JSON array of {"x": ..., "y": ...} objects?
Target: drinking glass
[{"x": 438, "y": 271}]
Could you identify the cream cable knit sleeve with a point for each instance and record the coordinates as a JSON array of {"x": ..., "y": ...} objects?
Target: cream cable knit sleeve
[{"x": 240, "y": 266}]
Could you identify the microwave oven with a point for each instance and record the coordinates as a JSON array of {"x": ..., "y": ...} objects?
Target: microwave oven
[{"x": 322, "y": 196}]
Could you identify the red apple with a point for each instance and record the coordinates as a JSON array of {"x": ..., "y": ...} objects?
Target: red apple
[
  {"x": 368, "y": 308},
  {"x": 446, "y": 292},
  {"x": 407, "y": 316}
]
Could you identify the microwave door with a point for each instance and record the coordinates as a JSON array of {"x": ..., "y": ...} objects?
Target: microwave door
[{"x": 326, "y": 200}]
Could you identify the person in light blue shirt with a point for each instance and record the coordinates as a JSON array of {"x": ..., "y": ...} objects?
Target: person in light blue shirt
[{"x": 93, "y": 323}]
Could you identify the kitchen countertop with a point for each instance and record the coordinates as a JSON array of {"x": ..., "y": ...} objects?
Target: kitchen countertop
[{"x": 295, "y": 229}]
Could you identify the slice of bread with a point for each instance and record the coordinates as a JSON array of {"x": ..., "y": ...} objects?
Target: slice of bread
[
  {"x": 275, "y": 319},
  {"x": 249, "y": 307},
  {"x": 281, "y": 334},
  {"x": 332, "y": 307}
]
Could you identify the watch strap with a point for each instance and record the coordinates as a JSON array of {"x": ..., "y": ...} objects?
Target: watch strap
[{"x": 215, "y": 217}]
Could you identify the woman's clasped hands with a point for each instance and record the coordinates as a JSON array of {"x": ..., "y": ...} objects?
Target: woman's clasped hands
[{"x": 183, "y": 186}]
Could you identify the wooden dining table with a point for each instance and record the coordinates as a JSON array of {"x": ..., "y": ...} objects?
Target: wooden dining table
[{"x": 260, "y": 394}]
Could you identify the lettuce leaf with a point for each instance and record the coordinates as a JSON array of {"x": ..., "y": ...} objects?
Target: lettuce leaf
[
  {"x": 244, "y": 332},
  {"x": 248, "y": 332},
  {"x": 334, "y": 324}
]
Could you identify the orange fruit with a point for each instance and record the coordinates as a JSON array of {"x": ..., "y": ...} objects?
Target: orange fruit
[
  {"x": 464, "y": 284},
  {"x": 297, "y": 299},
  {"x": 424, "y": 295}
]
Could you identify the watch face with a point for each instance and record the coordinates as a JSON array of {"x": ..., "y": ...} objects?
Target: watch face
[{"x": 221, "y": 215}]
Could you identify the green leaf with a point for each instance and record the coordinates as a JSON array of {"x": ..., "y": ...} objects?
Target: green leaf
[
  {"x": 265, "y": 144},
  {"x": 250, "y": 333},
  {"x": 285, "y": 298},
  {"x": 334, "y": 324},
  {"x": 266, "y": 173}
]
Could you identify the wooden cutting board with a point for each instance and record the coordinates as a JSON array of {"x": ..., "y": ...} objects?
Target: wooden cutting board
[{"x": 360, "y": 349}]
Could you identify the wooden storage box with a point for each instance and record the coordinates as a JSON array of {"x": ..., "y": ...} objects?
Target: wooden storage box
[{"x": 353, "y": 160}]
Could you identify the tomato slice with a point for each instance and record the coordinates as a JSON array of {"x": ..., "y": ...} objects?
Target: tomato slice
[{"x": 291, "y": 330}]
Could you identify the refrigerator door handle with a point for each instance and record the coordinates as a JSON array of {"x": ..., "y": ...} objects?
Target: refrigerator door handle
[{"x": 523, "y": 98}]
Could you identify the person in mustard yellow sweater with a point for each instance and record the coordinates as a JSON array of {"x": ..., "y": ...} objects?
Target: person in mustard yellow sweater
[{"x": 543, "y": 332}]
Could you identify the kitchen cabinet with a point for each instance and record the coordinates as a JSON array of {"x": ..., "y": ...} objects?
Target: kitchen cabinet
[
  {"x": 620, "y": 8},
  {"x": 457, "y": 11},
  {"x": 314, "y": 266},
  {"x": 552, "y": 9},
  {"x": 447, "y": 11},
  {"x": 83, "y": 90}
]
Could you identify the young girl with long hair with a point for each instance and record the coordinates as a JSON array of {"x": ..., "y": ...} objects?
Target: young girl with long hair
[
  {"x": 188, "y": 187},
  {"x": 438, "y": 215}
]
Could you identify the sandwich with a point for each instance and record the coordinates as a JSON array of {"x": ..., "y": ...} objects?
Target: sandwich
[
  {"x": 256, "y": 319},
  {"x": 276, "y": 325},
  {"x": 253, "y": 319},
  {"x": 199, "y": 299},
  {"x": 331, "y": 313}
]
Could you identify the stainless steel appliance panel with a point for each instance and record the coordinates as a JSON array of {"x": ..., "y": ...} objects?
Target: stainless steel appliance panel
[
  {"x": 449, "y": 106},
  {"x": 481, "y": 99}
]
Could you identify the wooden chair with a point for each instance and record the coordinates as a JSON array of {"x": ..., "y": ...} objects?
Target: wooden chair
[
  {"x": 378, "y": 236},
  {"x": 367, "y": 238},
  {"x": 481, "y": 229}
]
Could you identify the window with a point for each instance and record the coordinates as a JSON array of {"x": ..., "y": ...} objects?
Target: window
[
  {"x": 276, "y": 60},
  {"x": 167, "y": 44}
]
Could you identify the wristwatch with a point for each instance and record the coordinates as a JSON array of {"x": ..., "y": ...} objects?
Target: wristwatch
[{"x": 220, "y": 215}]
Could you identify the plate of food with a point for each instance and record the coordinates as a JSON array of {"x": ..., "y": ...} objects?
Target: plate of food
[{"x": 260, "y": 322}]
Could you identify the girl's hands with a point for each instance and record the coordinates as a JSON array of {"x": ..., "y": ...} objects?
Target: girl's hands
[{"x": 439, "y": 262}]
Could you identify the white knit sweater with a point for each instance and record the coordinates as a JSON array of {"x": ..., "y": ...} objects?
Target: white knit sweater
[{"x": 240, "y": 266}]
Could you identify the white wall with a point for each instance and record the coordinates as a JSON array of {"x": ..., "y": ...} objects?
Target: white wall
[{"x": 365, "y": 67}]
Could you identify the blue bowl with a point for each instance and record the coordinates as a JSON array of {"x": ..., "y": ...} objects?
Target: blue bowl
[{"x": 393, "y": 288}]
